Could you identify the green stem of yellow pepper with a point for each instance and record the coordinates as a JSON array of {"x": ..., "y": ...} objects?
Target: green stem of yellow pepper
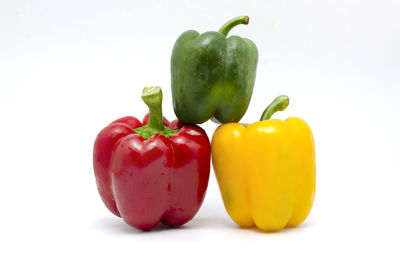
[{"x": 280, "y": 103}]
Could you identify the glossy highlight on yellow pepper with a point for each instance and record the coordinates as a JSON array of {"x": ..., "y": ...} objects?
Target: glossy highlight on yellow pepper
[{"x": 266, "y": 170}]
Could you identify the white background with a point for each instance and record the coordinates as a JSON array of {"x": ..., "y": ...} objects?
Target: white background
[{"x": 68, "y": 68}]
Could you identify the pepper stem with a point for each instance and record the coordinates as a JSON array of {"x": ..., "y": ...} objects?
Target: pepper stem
[
  {"x": 152, "y": 96},
  {"x": 280, "y": 103},
  {"x": 232, "y": 23}
]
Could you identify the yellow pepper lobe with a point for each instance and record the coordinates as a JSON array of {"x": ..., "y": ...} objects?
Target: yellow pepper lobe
[
  {"x": 271, "y": 186},
  {"x": 266, "y": 172},
  {"x": 227, "y": 147},
  {"x": 304, "y": 154}
]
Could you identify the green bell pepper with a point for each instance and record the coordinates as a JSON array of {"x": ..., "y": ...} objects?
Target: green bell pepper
[{"x": 213, "y": 76}]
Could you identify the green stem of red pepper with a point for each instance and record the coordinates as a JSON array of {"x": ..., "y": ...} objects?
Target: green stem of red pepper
[
  {"x": 232, "y": 23},
  {"x": 152, "y": 96},
  {"x": 280, "y": 103}
]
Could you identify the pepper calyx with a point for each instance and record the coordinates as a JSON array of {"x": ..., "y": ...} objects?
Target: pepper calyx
[{"x": 152, "y": 97}]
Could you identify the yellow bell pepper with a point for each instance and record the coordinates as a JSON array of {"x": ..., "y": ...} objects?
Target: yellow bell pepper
[{"x": 266, "y": 170}]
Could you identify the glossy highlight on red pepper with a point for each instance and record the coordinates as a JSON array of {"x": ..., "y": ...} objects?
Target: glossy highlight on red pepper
[{"x": 155, "y": 180}]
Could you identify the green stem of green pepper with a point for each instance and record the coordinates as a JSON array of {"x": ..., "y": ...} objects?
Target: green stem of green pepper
[
  {"x": 152, "y": 96},
  {"x": 280, "y": 103},
  {"x": 232, "y": 23}
]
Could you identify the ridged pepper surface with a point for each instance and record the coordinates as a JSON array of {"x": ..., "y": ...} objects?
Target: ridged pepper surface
[
  {"x": 213, "y": 76},
  {"x": 266, "y": 170},
  {"x": 153, "y": 171}
]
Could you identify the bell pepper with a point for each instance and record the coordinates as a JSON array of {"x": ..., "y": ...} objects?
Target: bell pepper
[
  {"x": 266, "y": 170},
  {"x": 153, "y": 171},
  {"x": 213, "y": 76}
]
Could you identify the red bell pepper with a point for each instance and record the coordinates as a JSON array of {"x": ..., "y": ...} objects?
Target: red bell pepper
[{"x": 152, "y": 172}]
